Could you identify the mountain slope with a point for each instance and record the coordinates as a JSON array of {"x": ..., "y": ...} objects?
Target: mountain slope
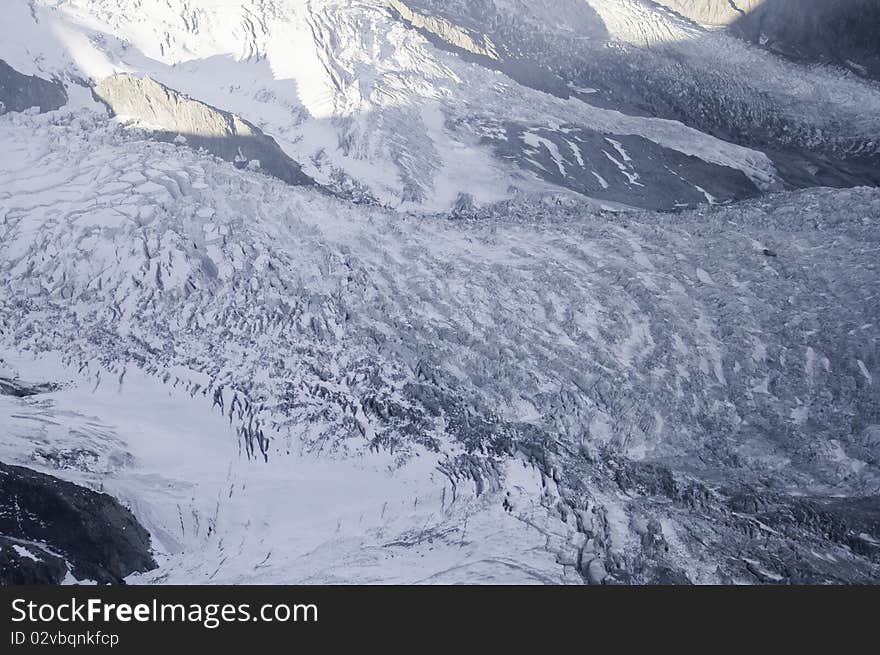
[
  {"x": 843, "y": 32},
  {"x": 425, "y": 105},
  {"x": 539, "y": 364},
  {"x": 412, "y": 291}
]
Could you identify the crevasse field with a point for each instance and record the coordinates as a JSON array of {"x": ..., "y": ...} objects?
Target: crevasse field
[{"x": 496, "y": 332}]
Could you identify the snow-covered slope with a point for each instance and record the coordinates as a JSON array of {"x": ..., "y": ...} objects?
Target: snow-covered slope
[
  {"x": 285, "y": 386},
  {"x": 463, "y": 344},
  {"x": 818, "y": 125},
  {"x": 842, "y": 31},
  {"x": 429, "y": 105}
]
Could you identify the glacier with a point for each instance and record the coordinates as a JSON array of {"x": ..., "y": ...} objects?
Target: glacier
[{"x": 495, "y": 333}]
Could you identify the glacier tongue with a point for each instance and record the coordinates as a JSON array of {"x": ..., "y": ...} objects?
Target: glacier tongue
[
  {"x": 218, "y": 518},
  {"x": 285, "y": 386}
]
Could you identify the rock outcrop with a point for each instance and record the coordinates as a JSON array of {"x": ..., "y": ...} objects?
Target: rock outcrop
[
  {"x": 712, "y": 12},
  {"x": 173, "y": 116},
  {"x": 50, "y": 528},
  {"x": 842, "y": 32},
  {"x": 19, "y": 92},
  {"x": 447, "y": 31},
  {"x": 19, "y": 389}
]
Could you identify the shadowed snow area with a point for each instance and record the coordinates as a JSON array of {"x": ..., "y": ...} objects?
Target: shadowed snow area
[
  {"x": 422, "y": 105},
  {"x": 580, "y": 305},
  {"x": 816, "y": 124},
  {"x": 287, "y": 387},
  {"x": 19, "y": 92},
  {"x": 172, "y": 116},
  {"x": 842, "y": 31}
]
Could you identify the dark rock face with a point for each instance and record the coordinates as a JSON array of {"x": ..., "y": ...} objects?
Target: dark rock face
[
  {"x": 669, "y": 83},
  {"x": 630, "y": 170},
  {"x": 843, "y": 32},
  {"x": 47, "y": 524},
  {"x": 19, "y": 92},
  {"x": 28, "y": 564},
  {"x": 19, "y": 389}
]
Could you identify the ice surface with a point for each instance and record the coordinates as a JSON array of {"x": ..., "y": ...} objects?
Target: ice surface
[{"x": 284, "y": 386}]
